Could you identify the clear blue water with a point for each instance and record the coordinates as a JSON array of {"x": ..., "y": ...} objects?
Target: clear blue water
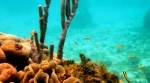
[{"x": 115, "y": 28}]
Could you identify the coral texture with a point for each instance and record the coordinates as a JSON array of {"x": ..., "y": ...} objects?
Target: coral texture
[
  {"x": 16, "y": 54},
  {"x": 7, "y": 73}
]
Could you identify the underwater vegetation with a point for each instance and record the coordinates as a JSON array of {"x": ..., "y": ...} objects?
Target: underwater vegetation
[{"x": 31, "y": 61}]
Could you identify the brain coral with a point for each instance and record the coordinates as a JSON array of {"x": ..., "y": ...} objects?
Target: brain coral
[
  {"x": 16, "y": 53},
  {"x": 7, "y": 73}
]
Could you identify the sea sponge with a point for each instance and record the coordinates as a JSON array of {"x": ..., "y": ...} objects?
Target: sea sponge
[
  {"x": 34, "y": 67},
  {"x": 28, "y": 75},
  {"x": 53, "y": 78},
  {"x": 71, "y": 80},
  {"x": 48, "y": 66},
  {"x": 41, "y": 77},
  {"x": 20, "y": 75},
  {"x": 16, "y": 54},
  {"x": 70, "y": 69},
  {"x": 7, "y": 72},
  {"x": 2, "y": 56},
  {"x": 60, "y": 71}
]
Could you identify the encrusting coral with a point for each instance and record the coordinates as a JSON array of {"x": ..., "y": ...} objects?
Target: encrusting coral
[
  {"x": 30, "y": 61},
  {"x": 7, "y": 73},
  {"x": 15, "y": 53}
]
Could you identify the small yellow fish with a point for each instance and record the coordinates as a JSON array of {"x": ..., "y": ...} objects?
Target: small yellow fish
[
  {"x": 126, "y": 77},
  {"x": 87, "y": 38},
  {"x": 141, "y": 67},
  {"x": 132, "y": 56},
  {"x": 120, "y": 46}
]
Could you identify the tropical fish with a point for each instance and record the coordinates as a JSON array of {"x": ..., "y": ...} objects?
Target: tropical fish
[
  {"x": 87, "y": 38},
  {"x": 120, "y": 46},
  {"x": 76, "y": 43},
  {"x": 132, "y": 56},
  {"x": 126, "y": 77},
  {"x": 141, "y": 67}
]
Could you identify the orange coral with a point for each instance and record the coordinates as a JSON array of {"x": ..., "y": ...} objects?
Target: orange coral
[
  {"x": 2, "y": 56},
  {"x": 54, "y": 78},
  {"x": 41, "y": 77},
  {"x": 16, "y": 53},
  {"x": 7, "y": 72},
  {"x": 60, "y": 71}
]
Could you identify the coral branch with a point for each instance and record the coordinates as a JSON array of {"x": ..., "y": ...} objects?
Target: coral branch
[
  {"x": 63, "y": 14},
  {"x": 65, "y": 23},
  {"x": 51, "y": 51},
  {"x": 43, "y": 16},
  {"x": 67, "y": 9},
  {"x": 36, "y": 41}
]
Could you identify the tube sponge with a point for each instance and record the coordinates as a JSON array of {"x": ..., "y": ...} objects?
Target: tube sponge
[{"x": 7, "y": 72}]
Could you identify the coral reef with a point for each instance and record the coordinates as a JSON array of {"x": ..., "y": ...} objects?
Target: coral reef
[
  {"x": 49, "y": 70},
  {"x": 30, "y": 60}
]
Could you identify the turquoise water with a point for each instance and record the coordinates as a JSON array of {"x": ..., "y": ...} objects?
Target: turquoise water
[{"x": 114, "y": 28}]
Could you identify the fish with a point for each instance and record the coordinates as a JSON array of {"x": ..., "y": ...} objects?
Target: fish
[
  {"x": 87, "y": 38},
  {"x": 76, "y": 43},
  {"x": 141, "y": 67},
  {"x": 120, "y": 46},
  {"x": 126, "y": 77},
  {"x": 132, "y": 56}
]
